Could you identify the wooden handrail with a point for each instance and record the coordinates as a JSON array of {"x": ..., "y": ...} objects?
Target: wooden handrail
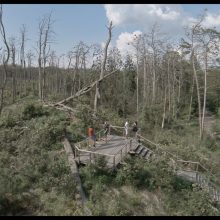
[
  {"x": 92, "y": 152},
  {"x": 187, "y": 161},
  {"x": 177, "y": 159},
  {"x": 173, "y": 155},
  {"x": 114, "y": 126}
]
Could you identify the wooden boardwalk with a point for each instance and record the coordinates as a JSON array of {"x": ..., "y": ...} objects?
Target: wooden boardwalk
[
  {"x": 117, "y": 147},
  {"x": 114, "y": 151}
]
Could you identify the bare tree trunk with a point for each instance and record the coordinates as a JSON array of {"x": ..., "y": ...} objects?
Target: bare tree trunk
[
  {"x": 173, "y": 92},
  {"x": 190, "y": 104},
  {"x": 164, "y": 109},
  {"x": 85, "y": 89},
  {"x": 44, "y": 37},
  {"x": 180, "y": 81},
  {"x": 145, "y": 77},
  {"x": 40, "y": 79},
  {"x": 154, "y": 81},
  {"x": 137, "y": 85},
  {"x": 169, "y": 92},
  {"x": 205, "y": 91},
  {"x": 97, "y": 94},
  {"x": 25, "y": 78},
  {"x": 5, "y": 61},
  {"x": 198, "y": 95},
  {"x": 14, "y": 85}
]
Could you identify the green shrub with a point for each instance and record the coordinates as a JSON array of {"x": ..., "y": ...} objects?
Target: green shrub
[
  {"x": 9, "y": 120},
  {"x": 210, "y": 143},
  {"x": 212, "y": 104},
  {"x": 32, "y": 111},
  {"x": 179, "y": 183}
]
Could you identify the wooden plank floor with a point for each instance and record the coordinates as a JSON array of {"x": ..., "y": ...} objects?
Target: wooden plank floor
[{"x": 113, "y": 147}]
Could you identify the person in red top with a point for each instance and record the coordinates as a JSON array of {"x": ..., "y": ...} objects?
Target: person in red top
[
  {"x": 90, "y": 132},
  {"x": 91, "y": 135}
]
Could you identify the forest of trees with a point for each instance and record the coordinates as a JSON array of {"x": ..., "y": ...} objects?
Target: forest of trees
[
  {"x": 159, "y": 78},
  {"x": 162, "y": 84}
]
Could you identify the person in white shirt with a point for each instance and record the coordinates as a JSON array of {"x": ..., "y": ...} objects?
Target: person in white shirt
[{"x": 126, "y": 129}]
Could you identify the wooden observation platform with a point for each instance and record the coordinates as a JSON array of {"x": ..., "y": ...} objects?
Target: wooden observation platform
[{"x": 114, "y": 151}]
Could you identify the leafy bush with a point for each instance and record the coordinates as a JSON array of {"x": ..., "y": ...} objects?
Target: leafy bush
[
  {"x": 210, "y": 143},
  {"x": 212, "y": 104},
  {"x": 179, "y": 183},
  {"x": 151, "y": 117},
  {"x": 9, "y": 120},
  {"x": 32, "y": 111}
]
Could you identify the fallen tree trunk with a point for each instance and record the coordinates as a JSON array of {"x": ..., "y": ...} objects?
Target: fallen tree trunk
[
  {"x": 60, "y": 107},
  {"x": 84, "y": 90}
]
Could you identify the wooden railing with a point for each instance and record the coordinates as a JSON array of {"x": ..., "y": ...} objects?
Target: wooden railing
[
  {"x": 156, "y": 148},
  {"x": 183, "y": 164},
  {"x": 84, "y": 144},
  {"x": 111, "y": 159}
]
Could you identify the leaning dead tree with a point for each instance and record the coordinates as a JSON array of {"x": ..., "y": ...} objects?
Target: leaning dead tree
[
  {"x": 61, "y": 104},
  {"x": 97, "y": 94},
  {"x": 6, "y": 56}
]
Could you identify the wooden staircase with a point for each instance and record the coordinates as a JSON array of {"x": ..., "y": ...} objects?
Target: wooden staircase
[
  {"x": 202, "y": 181},
  {"x": 142, "y": 151},
  {"x": 194, "y": 176}
]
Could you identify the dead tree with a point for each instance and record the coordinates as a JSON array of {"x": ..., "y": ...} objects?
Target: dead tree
[
  {"x": 5, "y": 61},
  {"x": 209, "y": 40},
  {"x": 22, "y": 57},
  {"x": 45, "y": 31},
  {"x": 14, "y": 72},
  {"x": 97, "y": 94}
]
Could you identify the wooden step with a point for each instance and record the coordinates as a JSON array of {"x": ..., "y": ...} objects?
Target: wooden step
[
  {"x": 144, "y": 152},
  {"x": 139, "y": 149},
  {"x": 132, "y": 150},
  {"x": 148, "y": 155}
]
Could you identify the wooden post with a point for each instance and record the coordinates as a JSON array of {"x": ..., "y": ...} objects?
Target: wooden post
[
  {"x": 90, "y": 157},
  {"x": 114, "y": 161},
  {"x": 79, "y": 156},
  {"x": 197, "y": 166},
  {"x": 121, "y": 154},
  {"x": 130, "y": 144}
]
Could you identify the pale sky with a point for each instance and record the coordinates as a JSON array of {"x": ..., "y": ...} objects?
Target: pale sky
[{"x": 86, "y": 22}]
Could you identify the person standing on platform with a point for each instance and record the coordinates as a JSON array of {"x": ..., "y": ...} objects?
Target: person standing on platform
[
  {"x": 91, "y": 135},
  {"x": 126, "y": 128},
  {"x": 106, "y": 130}
]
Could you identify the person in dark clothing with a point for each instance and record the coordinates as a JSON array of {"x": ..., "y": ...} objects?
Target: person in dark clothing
[
  {"x": 135, "y": 129},
  {"x": 106, "y": 130}
]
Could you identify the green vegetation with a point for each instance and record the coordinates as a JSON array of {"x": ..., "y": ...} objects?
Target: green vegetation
[
  {"x": 174, "y": 96},
  {"x": 174, "y": 195},
  {"x": 35, "y": 178}
]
